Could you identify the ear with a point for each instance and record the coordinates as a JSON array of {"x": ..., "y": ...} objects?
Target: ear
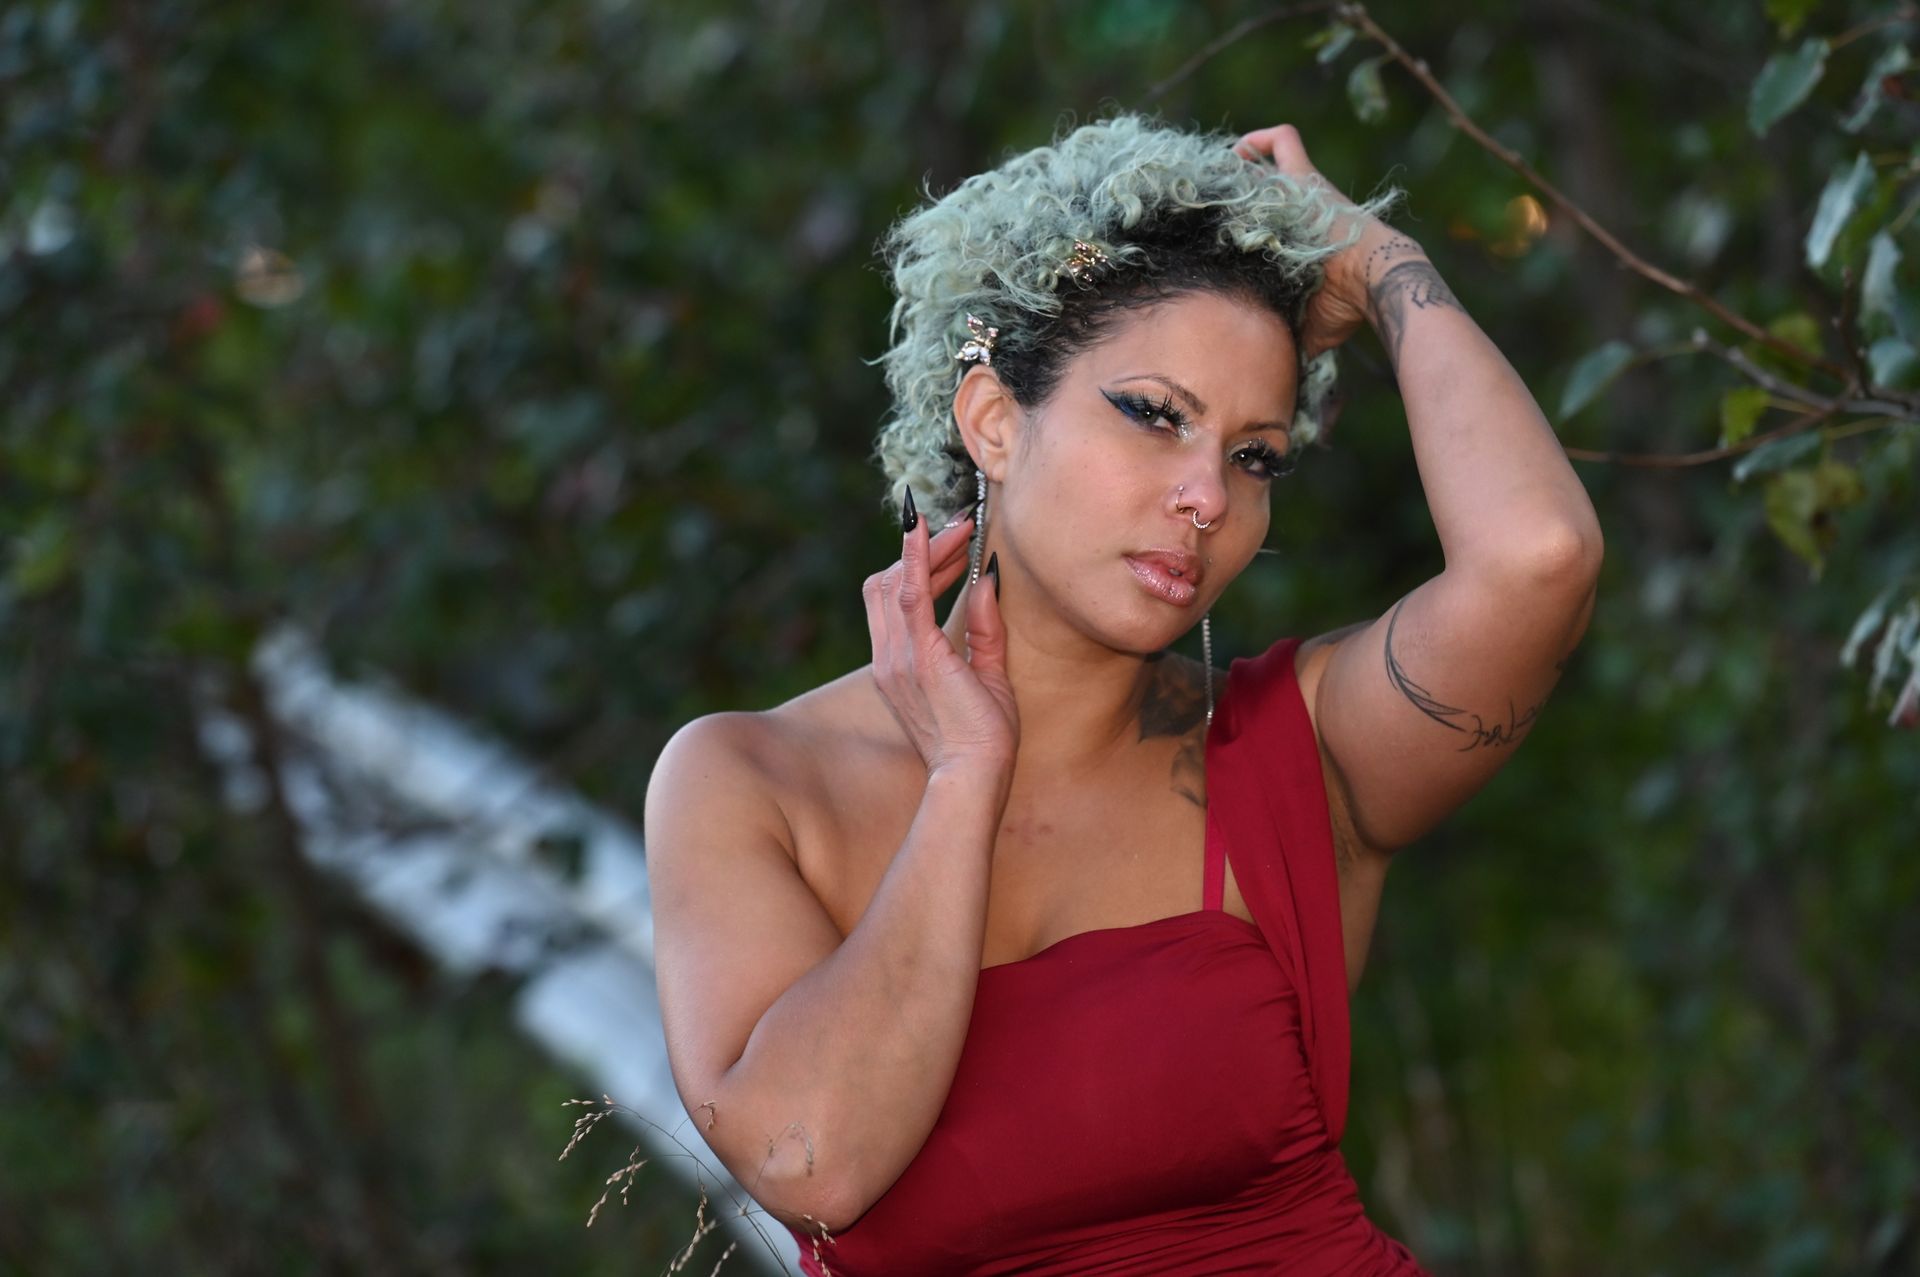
[{"x": 990, "y": 420}]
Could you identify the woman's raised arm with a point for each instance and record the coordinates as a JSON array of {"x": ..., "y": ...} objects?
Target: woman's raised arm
[{"x": 1418, "y": 709}]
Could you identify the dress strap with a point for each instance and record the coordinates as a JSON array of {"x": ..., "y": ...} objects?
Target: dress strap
[
  {"x": 1213, "y": 877},
  {"x": 1267, "y": 811}
]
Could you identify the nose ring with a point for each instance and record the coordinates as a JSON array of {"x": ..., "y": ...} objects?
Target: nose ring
[{"x": 1191, "y": 512}]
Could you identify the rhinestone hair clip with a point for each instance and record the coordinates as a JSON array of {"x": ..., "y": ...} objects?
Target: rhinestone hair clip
[
  {"x": 1084, "y": 260},
  {"x": 980, "y": 345},
  {"x": 1080, "y": 265}
]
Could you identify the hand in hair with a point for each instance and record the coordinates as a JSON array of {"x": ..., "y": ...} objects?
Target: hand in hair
[{"x": 1343, "y": 303}]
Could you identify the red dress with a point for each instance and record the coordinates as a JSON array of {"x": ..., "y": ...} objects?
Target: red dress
[{"x": 1166, "y": 1097}]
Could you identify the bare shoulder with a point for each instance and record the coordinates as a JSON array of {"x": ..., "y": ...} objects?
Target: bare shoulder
[
  {"x": 1310, "y": 662},
  {"x": 1309, "y": 665},
  {"x": 736, "y": 920},
  {"x": 765, "y": 760}
]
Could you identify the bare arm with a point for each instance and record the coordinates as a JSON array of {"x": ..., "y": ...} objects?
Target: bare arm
[
  {"x": 1418, "y": 709},
  {"x": 815, "y": 1066},
  {"x": 1421, "y": 707},
  {"x": 820, "y": 1064}
]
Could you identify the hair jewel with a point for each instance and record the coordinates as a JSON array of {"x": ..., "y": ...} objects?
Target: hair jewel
[
  {"x": 980, "y": 345},
  {"x": 1084, "y": 260}
]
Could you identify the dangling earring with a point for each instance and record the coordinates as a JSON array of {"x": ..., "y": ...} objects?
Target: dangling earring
[
  {"x": 1206, "y": 655},
  {"x": 979, "y": 525}
]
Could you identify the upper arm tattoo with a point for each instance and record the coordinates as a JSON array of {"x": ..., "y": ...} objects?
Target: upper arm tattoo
[
  {"x": 1411, "y": 285},
  {"x": 1477, "y": 730}
]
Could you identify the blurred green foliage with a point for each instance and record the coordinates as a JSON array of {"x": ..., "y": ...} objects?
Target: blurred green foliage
[{"x": 519, "y": 352}]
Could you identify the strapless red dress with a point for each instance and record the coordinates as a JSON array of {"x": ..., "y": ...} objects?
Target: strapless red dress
[{"x": 1167, "y": 1097}]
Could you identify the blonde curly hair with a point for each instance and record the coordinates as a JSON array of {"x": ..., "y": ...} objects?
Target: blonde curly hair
[{"x": 1174, "y": 211}]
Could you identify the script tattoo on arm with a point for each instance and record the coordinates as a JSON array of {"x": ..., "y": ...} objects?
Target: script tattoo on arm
[
  {"x": 1413, "y": 284},
  {"x": 1477, "y": 730}
]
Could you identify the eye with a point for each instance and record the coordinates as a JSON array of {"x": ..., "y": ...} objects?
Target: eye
[
  {"x": 1264, "y": 462},
  {"x": 1144, "y": 410}
]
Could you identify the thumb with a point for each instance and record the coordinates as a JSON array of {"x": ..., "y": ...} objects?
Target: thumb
[{"x": 986, "y": 628}]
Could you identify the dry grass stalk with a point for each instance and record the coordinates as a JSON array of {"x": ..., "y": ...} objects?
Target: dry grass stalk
[{"x": 605, "y": 1107}]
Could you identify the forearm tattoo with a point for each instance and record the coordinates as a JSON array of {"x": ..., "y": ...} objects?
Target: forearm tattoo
[
  {"x": 1477, "y": 730},
  {"x": 1408, "y": 282}
]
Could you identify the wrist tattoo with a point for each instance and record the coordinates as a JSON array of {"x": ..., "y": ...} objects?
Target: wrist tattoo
[
  {"x": 1391, "y": 249},
  {"x": 1403, "y": 288}
]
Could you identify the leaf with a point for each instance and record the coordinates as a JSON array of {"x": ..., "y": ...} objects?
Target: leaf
[
  {"x": 1596, "y": 369},
  {"x": 1904, "y": 628},
  {"x": 1800, "y": 504},
  {"x": 1789, "y": 14},
  {"x": 1891, "y": 61},
  {"x": 43, "y": 554},
  {"x": 1839, "y": 484},
  {"x": 1838, "y": 202},
  {"x": 1331, "y": 41},
  {"x": 1797, "y": 328},
  {"x": 1777, "y": 455},
  {"x": 1366, "y": 93},
  {"x": 1893, "y": 363},
  {"x": 1740, "y": 408},
  {"x": 1876, "y": 283},
  {"x": 1783, "y": 84},
  {"x": 1864, "y": 627},
  {"x": 1792, "y": 502}
]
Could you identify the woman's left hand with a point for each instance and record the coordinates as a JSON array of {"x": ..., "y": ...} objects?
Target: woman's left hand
[{"x": 1342, "y": 304}]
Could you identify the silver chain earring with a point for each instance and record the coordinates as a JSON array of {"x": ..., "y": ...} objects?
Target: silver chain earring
[
  {"x": 1206, "y": 655},
  {"x": 979, "y": 525}
]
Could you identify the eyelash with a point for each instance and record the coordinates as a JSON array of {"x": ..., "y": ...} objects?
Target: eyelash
[{"x": 1142, "y": 409}]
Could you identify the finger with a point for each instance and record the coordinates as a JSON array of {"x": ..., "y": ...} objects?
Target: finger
[
  {"x": 1282, "y": 143},
  {"x": 948, "y": 541},
  {"x": 876, "y": 622},
  {"x": 915, "y": 586},
  {"x": 947, "y": 573},
  {"x": 986, "y": 631},
  {"x": 900, "y": 637}
]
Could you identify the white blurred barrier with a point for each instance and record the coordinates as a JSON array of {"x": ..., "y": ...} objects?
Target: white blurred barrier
[{"x": 438, "y": 829}]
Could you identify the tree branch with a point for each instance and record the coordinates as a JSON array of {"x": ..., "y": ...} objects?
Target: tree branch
[
  {"x": 1239, "y": 32},
  {"x": 1669, "y": 460},
  {"x": 1905, "y": 13},
  {"x": 1843, "y": 402},
  {"x": 1356, "y": 15}
]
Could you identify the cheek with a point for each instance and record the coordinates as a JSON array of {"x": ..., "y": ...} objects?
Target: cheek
[{"x": 1086, "y": 473}]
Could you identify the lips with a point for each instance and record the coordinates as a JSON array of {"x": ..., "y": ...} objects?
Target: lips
[{"x": 1173, "y": 576}]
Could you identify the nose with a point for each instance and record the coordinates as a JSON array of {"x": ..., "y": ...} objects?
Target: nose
[{"x": 1201, "y": 498}]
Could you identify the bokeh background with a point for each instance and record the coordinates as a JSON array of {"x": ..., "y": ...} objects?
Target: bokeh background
[{"x": 518, "y": 354}]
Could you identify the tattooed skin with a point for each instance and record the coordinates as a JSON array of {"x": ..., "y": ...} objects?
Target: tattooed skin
[
  {"x": 1176, "y": 705},
  {"x": 1413, "y": 284},
  {"x": 1392, "y": 250},
  {"x": 1478, "y": 730}
]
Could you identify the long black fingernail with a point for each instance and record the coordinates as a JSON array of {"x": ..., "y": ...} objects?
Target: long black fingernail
[
  {"x": 909, "y": 517},
  {"x": 993, "y": 570}
]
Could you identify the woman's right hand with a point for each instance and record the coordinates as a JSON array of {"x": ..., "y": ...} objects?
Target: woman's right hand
[{"x": 955, "y": 708}]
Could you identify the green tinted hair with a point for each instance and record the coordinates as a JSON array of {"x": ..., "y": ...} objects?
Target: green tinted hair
[{"x": 1175, "y": 212}]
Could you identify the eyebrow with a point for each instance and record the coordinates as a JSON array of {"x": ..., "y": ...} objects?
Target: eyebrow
[{"x": 1194, "y": 401}]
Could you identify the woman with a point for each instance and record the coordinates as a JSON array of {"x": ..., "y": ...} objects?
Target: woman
[{"x": 1027, "y": 947}]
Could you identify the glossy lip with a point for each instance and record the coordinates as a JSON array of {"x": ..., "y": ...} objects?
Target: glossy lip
[{"x": 1152, "y": 571}]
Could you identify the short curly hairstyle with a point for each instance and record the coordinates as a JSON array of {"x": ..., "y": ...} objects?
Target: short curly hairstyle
[{"x": 1175, "y": 212}]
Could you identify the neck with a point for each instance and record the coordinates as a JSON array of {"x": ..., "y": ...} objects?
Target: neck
[{"x": 1081, "y": 704}]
